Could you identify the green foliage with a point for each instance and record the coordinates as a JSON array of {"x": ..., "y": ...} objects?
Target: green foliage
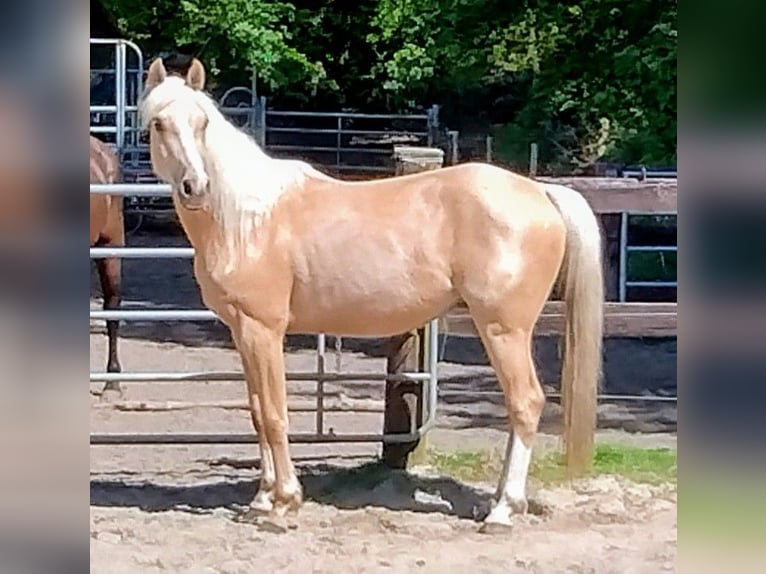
[
  {"x": 586, "y": 79},
  {"x": 233, "y": 36}
]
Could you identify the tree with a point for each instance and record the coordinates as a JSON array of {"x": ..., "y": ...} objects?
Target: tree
[{"x": 233, "y": 36}]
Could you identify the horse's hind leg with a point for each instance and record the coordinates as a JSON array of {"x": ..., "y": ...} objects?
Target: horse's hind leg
[
  {"x": 509, "y": 347},
  {"x": 109, "y": 270}
]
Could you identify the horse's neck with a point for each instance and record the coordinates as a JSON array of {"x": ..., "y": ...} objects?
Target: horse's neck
[{"x": 197, "y": 226}]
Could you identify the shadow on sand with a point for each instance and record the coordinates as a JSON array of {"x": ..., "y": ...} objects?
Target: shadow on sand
[{"x": 368, "y": 485}]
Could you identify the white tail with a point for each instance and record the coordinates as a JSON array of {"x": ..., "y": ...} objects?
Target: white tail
[{"x": 582, "y": 285}]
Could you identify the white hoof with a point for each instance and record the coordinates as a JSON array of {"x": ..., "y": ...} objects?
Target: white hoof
[{"x": 263, "y": 502}]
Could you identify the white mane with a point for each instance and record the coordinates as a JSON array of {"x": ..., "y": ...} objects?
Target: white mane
[{"x": 245, "y": 183}]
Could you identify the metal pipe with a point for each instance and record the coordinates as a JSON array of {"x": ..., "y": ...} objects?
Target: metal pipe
[
  {"x": 236, "y": 438},
  {"x": 208, "y": 376},
  {"x": 137, "y": 189},
  {"x": 141, "y": 252},
  {"x": 288, "y": 114},
  {"x": 119, "y": 66},
  {"x": 649, "y": 248},
  {"x": 651, "y": 283},
  {"x": 321, "y": 347},
  {"x": 500, "y": 395},
  {"x": 623, "y": 269},
  {"x": 154, "y": 315}
]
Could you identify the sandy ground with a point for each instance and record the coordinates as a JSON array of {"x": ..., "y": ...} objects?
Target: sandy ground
[{"x": 176, "y": 508}]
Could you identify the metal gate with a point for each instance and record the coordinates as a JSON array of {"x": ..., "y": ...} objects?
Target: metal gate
[
  {"x": 627, "y": 248},
  {"x": 127, "y": 84},
  {"x": 118, "y": 117},
  {"x": 426, "y": 376}
]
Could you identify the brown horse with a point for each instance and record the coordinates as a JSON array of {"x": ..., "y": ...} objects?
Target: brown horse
[
  {"x": 107, "y": 230},
  {"x": 281, "y": 248}
]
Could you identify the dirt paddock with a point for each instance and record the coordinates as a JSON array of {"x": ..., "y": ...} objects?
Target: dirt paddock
[{"x": 177, "y": 508}]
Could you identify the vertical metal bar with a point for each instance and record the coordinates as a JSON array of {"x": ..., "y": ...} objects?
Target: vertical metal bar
[
  {"x": 119, "y": 96},
  {"x": 433, "y": 124},
  {"x": 262, "y": 121},
  {"x": 253, "y": 121},
  {"x": 533, "y": 159},
  {"x": 338, "y": 142},
  {"x": 623, "y": 257},
  {"x": 321, "y": 347},
  {"x": 432, "y": 360}
]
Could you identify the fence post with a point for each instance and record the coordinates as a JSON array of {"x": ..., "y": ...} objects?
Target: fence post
[
  {"x": 404, "y": 401},
  {"x": 262, "y": 121},
  {"x": 488, "y": 148},
  {"x": 454, "y": 153},
  {"x": 532, "y": 159},
  {"x": 433, "y": 124}
]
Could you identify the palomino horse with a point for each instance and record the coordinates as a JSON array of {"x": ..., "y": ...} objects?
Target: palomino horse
[
  {"x": 107, "y": 230},
  {"x": 282, "y": 248}
]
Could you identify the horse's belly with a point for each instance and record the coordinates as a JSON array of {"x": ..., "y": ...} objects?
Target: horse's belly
[{"x": 368, "y": 310}]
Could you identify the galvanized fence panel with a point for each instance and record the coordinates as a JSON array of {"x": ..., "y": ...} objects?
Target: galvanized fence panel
[
  {"x": 626, "y": 248},
  {"x": 427, "y": 377}
]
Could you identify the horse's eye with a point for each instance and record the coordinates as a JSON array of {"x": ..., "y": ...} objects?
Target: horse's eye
[{"x": 157, "y": 125}]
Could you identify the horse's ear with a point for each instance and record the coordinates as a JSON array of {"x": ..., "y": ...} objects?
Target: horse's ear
[
  {"x": 195, "y": 77},
  {"x": 157, "y": 74}
]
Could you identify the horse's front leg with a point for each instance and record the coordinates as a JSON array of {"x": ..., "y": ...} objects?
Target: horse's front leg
[
  {"x": 262, "y": 345},
  {"x": 263, "y": 502}
]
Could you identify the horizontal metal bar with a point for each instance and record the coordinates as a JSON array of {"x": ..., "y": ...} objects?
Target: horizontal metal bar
[
  {"x": 350, "y": 115},
  {"x": 137, "y": 189},
  {"x": 112, "y": 129},
  {"x": 232, "y": 438},
  {"x": 305, "y": 148},
  {"x": 374, "y": 168},
  {"x": 154, "y": 315},
  {"x": 650, "y": 248},
  {"x": 111, "y": 109},
  {"x": 342, "y": 131},
  {"x": 651, "y": 283},
  {"x": 112, "y": 71},
  {"x": 627, "y": 398},
  {"x": 141, "y": 252},
  {"x": 224, "y": 376},
  {"x": 649, "y": 174}
]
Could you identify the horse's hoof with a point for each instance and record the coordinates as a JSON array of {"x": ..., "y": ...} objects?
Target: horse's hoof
[
  {"x": 257, "y": 509},
  {"x": 495, "y": 528}
]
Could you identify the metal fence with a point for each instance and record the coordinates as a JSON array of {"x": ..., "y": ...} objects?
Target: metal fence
[
  {"x": 630, "y": 221},
  {"x": 427, "y": 376}
]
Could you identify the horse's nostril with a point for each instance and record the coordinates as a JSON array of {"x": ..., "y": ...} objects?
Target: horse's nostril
[{"x": 186, "y": 188}]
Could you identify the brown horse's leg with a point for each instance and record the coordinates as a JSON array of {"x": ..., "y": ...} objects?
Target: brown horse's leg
[
  {"x": 510, "y": 352},
  {"x": 263, "y": 502},
  {"x": 264, "y": 349},
  {"x": 109, "y": 271}
]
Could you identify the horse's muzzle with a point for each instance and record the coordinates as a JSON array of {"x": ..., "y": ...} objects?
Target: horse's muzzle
[{"x": 193, "y": 194}]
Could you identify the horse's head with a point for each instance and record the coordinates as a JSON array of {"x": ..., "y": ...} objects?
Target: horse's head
[{"x": 173, "y": 110}]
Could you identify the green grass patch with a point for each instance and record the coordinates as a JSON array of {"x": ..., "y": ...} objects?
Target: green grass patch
[{"x": 654, "y": 466}]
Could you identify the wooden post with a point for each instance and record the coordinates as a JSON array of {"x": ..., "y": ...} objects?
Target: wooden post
[
  {"x": 403, "y": 411},
  {"x": 610, "y": 223}
]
